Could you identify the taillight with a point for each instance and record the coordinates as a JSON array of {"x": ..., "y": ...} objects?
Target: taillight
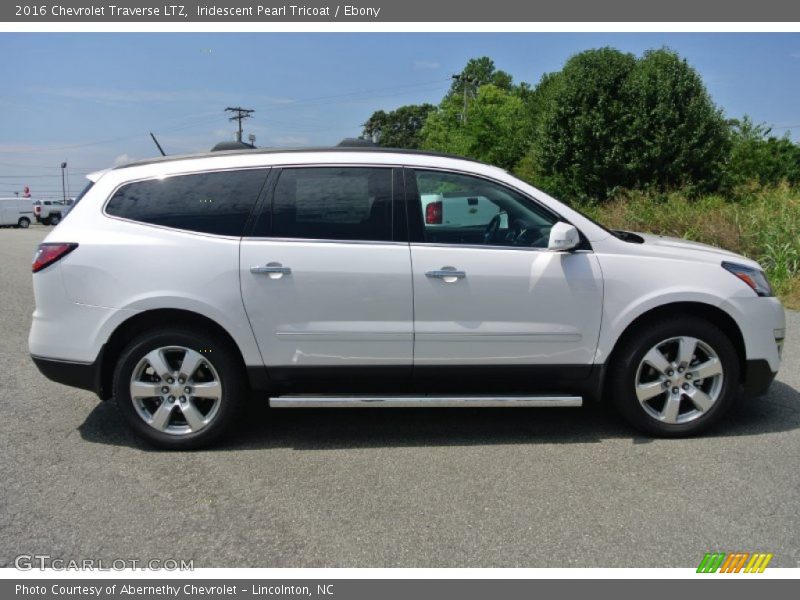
[
  {"x": 37, "y": 210},
  {"x": 47, "y": 254},
  {"x": 433, "y": 213}
]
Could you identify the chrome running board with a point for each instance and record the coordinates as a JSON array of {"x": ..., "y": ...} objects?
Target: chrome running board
[{"x": 423, "y": 401}]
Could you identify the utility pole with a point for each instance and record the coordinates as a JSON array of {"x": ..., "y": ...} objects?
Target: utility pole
[
  {"x": 240, "y": 113},
  {"x": 465, "y": 81}
]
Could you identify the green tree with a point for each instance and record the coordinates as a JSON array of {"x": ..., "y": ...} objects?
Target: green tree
[
  {"x": 482, "y": 71},
  {"x": 582, "y": 130},
  {"x": 610, "y": 120},
  {"x": 495, "y": 131},
  {"x": 675, "y": 134},
  {"x": 758, "y": 156},
  {"x": 398, "y": 128}
]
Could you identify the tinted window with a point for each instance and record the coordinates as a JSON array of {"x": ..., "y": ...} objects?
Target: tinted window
[
  {"x": 459, "y": 209},
  {"x": 216, "y": 203},
  {"x": 333, "y": 203}
]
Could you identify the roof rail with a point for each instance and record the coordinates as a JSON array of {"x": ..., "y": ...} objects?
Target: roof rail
[{"x": 335, "y": 149}]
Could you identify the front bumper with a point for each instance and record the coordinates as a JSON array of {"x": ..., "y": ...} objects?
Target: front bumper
[{"x": 758, "y": 376}]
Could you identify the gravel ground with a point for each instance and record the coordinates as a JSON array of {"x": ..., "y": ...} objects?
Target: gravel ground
[{"x": 412, "y": 488}]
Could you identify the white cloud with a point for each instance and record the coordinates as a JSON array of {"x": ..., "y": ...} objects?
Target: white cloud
[
  {"x": 122, "y": 159},
  {"x": 426, "y": 64}
]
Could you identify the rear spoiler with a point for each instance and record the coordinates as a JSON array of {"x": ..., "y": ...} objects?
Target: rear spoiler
[{"x": 96, "y": 175}]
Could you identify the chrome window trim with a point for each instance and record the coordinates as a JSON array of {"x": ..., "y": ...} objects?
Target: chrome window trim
[
  {"x": 283, "y": 240},
  {"x": 198, "y": 171},
  {"x": 493, "y": 247}
]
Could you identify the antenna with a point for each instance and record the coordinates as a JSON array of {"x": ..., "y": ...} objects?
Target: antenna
[{"x": 160, "y": 149}]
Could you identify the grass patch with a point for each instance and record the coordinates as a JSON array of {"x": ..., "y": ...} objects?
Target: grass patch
[{"x": 760, "y": 223}]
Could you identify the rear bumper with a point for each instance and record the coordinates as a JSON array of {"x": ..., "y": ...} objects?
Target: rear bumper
[
  {"x": 757, "y": 377},
  {"x": 85, "y": 376}
]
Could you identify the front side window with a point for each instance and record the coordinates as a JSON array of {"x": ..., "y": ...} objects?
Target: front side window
[
  {"x": 460, "y": 209},
  {"x": 217, "y": 202},
  {"x": 333, "y": 203}
]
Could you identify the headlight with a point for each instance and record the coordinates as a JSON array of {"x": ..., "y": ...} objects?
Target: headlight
[{"x": 755, "y": 278}]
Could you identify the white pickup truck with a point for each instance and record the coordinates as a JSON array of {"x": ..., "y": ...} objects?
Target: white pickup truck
[{"x": 50, "y": 212}]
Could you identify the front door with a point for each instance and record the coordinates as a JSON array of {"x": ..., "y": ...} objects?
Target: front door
[{"x": 489, "y": 298}]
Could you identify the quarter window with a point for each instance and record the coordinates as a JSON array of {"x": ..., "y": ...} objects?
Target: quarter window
[
  {"x": 217, "y": 202},
  {"x": 333, "y": 203},
  {"x": 460, "y": 209}
]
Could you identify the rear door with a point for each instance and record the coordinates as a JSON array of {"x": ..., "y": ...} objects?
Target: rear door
[{"x": 326, "y": 279}]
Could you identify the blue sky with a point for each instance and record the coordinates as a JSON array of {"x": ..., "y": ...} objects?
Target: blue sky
[{"x": 91, "y": 99}]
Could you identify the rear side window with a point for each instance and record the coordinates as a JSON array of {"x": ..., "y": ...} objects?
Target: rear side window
[
  {"x": 217, "y": 203},
  {"x": 333, "y": 203}
]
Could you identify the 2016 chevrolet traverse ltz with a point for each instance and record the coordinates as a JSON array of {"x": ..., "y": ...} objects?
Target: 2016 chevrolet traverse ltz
[{"x": 365, "y": 277}]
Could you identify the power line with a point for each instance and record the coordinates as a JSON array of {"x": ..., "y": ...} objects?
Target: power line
[
  {"x": 39, "y": 176},
  {"x": 361, "y": 95}
]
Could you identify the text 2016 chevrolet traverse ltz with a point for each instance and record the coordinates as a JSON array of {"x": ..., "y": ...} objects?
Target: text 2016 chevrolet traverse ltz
[{"x": 352, "y": 277}]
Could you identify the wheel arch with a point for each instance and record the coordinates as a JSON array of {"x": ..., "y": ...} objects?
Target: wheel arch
[
  {"x": 713, "y": 314},
  {"x": 152, "y": 319}
]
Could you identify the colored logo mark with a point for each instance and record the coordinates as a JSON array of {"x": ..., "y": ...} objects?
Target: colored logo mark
[{"x": 736, "y": 562}]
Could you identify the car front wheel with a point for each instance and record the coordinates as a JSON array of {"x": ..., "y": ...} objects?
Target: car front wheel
[
  {"x": 179, "y": 389},
  {"x": 675, "y": 379}
]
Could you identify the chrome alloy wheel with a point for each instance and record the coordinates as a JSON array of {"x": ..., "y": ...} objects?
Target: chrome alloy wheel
[
  {"x": 679, "y": 380},
  {"x": 176, "y": 390}
]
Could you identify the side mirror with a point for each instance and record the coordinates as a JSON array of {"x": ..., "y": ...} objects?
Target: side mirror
[{"x": 563, "y": 236}]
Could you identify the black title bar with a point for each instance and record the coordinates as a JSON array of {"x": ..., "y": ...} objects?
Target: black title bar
[{"x": 441, "y": 11}]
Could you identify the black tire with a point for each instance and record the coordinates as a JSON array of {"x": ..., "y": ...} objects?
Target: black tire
[
  {"x": 622, "y": 377},
  {"x": 216, "y": 352},
  {"x": 54, "y": 220},
  {"x": 24, "y": 223}
]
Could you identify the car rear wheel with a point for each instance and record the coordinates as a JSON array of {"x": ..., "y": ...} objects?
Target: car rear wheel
[
  {"x": 24, "y": 223},
  {"x": 675, "y": 379},
  {"x": 179, "y": 389},
  {"x": 54, "y": 220}
]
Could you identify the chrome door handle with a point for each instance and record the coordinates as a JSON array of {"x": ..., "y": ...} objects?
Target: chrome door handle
[
  {"x": 449, "y": 274},
  {"x": 273, "y": 269}
]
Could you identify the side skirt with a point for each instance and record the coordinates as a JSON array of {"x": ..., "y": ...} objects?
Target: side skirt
[{"x": 465, "y": 380}]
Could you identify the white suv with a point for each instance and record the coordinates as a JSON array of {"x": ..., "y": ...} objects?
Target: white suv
[{"x": 182, "y": 286}]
